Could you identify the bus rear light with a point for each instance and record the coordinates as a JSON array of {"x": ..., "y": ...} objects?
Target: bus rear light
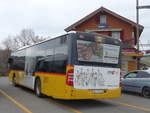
[{"x": 70, "y": 77}]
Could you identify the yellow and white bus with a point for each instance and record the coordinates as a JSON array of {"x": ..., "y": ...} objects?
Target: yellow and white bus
[{"x": 73, "y": 66}]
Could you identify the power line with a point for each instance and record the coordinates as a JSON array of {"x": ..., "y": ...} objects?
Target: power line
[
  {"x": 141, "y": 44},
  {"x": 145, "y": 45},
  {"x": 144, "y": 7}
]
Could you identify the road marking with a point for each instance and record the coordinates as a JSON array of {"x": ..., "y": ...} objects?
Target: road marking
[
  {"x": 14, "y": 101},
  {"x": 67, "y": 107},
  {"x": 129, "y": 105}
]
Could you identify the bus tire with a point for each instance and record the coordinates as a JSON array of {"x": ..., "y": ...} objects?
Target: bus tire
[
  {"x": 14, "y": 80},
  {"x": 38, "y": 87}
]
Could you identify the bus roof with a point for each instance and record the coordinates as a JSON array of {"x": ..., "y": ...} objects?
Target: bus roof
[
  {"x": 24, "y": 47},
  {"x": 91, "y": 33}
]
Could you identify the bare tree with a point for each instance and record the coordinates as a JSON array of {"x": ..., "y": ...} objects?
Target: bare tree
[
  {"x": 25, "y": 38},
  {"x": 10, "y": 43},
  {"x": 4, "y": 54}
]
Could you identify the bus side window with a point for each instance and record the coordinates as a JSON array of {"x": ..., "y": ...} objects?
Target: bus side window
[
  {"x": 60, "y": 59},
  {"x": 42, "y": 66},
  {"x": 10, "y": 60},
  {"x": 10, "y": 63},
  {"x": 59, "y": 65}
]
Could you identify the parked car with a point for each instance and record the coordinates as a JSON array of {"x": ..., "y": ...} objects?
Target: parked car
[{"x": 137, "y": 81}]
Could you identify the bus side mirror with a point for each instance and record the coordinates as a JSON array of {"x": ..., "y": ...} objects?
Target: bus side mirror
[{"x": 10, "y": 60}]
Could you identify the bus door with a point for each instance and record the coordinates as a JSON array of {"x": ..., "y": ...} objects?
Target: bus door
[{"x": 29, "y": 69}]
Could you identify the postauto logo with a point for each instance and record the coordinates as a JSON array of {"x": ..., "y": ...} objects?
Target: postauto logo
[{"x": 113, "y": 72}]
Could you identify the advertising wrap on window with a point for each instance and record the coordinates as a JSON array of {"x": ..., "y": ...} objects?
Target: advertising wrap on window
[{"x": 97, "y": 52}]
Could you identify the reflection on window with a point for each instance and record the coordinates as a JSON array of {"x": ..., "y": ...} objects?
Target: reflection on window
[
  {"x": 18, "y": 60},
  {"x": 55, "y": 62},
  {"x": 143, "y": 74},
  {"x": 131, "y": 75},
  {"x": 60, "y": 59}
]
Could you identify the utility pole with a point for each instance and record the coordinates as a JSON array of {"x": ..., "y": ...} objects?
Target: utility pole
[
  {"x": 137, "y": 32},
  {"x": 137, "y": 27},
  {"x": 144, "y": 7}
]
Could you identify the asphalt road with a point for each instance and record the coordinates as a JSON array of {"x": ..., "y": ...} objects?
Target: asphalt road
[{"x": 21, "y": 100}]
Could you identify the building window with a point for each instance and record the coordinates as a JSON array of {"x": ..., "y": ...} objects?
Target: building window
[
  {"x": 116, "y": 35},
  {"x": 133, "y": 36},
  {"x": 103, "y": 19}
]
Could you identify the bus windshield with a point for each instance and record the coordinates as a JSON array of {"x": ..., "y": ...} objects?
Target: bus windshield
[{"x": 89, "y": 51}]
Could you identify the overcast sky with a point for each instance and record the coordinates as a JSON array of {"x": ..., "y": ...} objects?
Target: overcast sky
[{"x": 50, "y": 17}]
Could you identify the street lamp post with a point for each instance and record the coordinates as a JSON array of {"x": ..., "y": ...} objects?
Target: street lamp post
[{"x": 137, "y": 27}]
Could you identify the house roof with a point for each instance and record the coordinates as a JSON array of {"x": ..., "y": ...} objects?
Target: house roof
[{"x": 102, "y": 9}]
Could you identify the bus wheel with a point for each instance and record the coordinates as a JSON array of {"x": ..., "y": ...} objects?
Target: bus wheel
[
  {"x": 14, "y": 81},
  {"x": 146, "y": 92},
  {"x": 38, "y": 87}
]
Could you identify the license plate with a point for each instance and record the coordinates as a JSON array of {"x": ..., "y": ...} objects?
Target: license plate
[{"x": 98, "y": 91}]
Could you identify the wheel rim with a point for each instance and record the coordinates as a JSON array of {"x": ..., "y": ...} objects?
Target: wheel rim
[
  {"x": 38, "y": 88},
  {"x": 146, "y": 92},
  {"x": 14, "y": 80}
]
